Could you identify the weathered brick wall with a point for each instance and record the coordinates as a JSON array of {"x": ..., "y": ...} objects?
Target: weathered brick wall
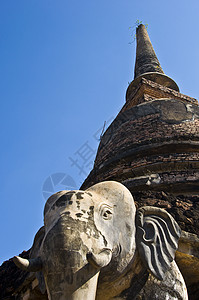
[
  {"x": 168, "y": 157},
  {"x": 185, "y": 209},
  {"x": 147, "y": 130},
  {"x": 156, "y": 127},
  {"x": 147, "y": 90},
  {"x": 170, "y": 174},
  {"x": 161, "y": 137}
]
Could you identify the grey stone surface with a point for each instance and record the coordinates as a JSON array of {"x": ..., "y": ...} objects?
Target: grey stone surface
[
  {"x": 90, "y": 234},
  {"x": 157, "y": 239}
]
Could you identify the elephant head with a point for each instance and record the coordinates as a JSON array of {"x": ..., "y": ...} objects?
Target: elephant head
[{"x": 97, "y": 231}]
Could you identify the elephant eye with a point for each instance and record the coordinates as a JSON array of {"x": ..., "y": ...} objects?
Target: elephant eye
[
  {"x": 107, "y": 214},
  {"x": 106, "y": 211}
]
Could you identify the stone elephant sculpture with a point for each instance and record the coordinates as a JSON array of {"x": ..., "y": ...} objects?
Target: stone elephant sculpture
[{"x": 94, "y": 245}]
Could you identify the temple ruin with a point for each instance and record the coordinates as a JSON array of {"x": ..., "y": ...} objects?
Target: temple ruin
[{"x": 152, "y": 148}]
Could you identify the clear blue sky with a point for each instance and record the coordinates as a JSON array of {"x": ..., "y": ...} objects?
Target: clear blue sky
[{"x": 65, "y": 67}]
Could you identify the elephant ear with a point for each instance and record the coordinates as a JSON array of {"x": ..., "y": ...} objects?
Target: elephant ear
[
  {"x": 34, "y": 253},
  {"x": 157, "y": 235}
]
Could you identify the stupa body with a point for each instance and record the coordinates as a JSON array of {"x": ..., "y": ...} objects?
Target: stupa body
[{"x": 152, "y": 148}]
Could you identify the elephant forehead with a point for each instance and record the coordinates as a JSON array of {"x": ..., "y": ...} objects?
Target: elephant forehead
[{"x": 75, "y": 204}]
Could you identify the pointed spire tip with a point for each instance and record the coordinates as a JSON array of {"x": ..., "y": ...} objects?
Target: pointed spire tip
[{"x": 146, "y": 59}]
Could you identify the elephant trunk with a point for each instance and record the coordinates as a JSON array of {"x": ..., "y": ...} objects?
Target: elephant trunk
[
  {"x": 85, "y": 280},
  {"x": 101, "y": 259},
  {"x": 84, "y": 292}
]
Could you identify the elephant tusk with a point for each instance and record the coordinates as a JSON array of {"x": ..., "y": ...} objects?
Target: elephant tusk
[
  {"x": 100, "y": 260},
  {"x": 30, "y": 265}
]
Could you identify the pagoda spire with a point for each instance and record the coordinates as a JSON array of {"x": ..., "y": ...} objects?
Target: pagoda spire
[
  {"x": 146, "y": 59},
  {"x": 147, "y": 65}
]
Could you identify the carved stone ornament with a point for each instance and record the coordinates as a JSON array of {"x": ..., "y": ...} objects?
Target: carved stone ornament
[{"x": 94, "y": 245}]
